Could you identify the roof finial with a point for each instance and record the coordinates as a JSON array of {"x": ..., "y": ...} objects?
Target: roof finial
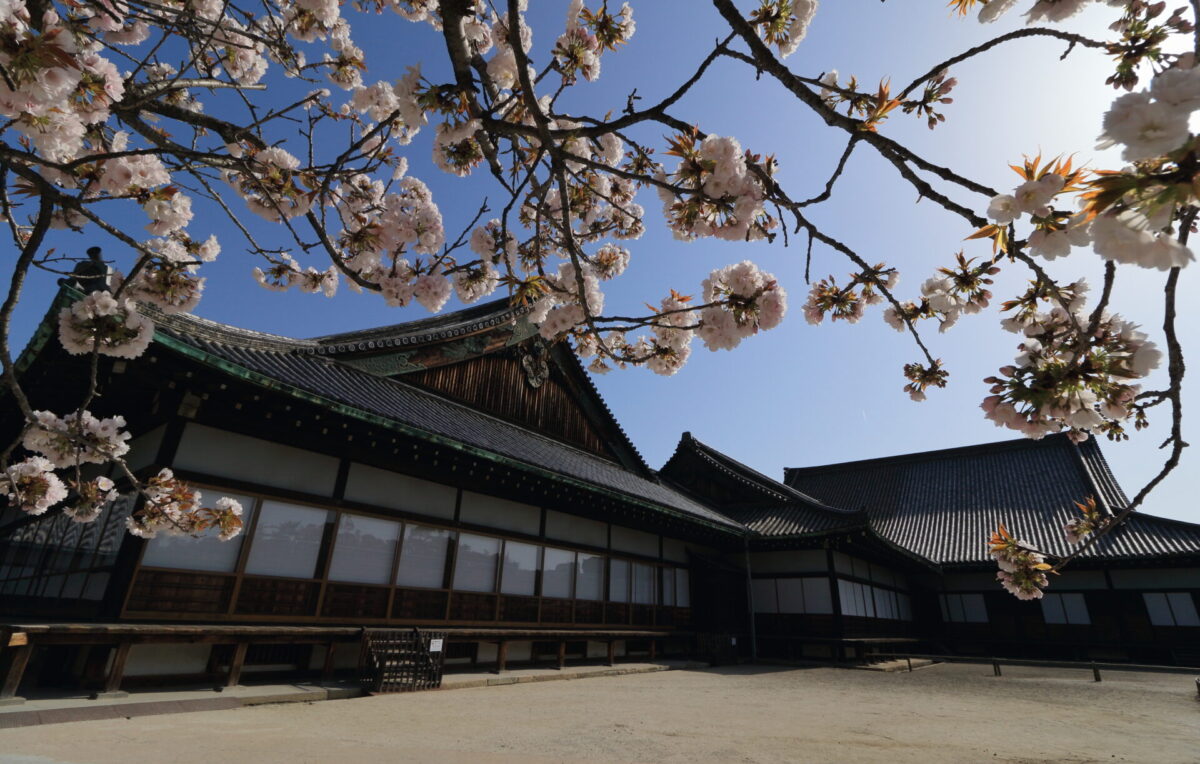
[{"x": 91, "y": 274}]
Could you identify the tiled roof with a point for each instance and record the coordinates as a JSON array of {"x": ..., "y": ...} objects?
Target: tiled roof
[
  {"x": 943, "y": 505},
  {"x": 771, "y": 508},
  {"x": 795, "y": 519},
  {"x": 459, "y": 323},
  {"x": 289, "y": 362}
]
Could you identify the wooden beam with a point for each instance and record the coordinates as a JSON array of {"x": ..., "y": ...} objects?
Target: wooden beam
[
  {"x": 117, "y": 671},
  {"x": 16, "y": 669},
  {"x": 502, "y": 657},
  {"x": 236, "y": 663}
]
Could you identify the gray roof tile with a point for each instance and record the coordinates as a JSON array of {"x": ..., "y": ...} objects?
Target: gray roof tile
[{"x": 943, "y": 505}]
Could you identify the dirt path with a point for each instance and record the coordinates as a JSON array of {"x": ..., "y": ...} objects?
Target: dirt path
[{"x": 745, "y": 714}]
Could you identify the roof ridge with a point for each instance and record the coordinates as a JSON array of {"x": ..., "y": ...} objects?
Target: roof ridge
[
  {"x": 218, "y": 329},
  {"x": 469, "y": 320},
  {"x": 416, "y": 332},
  {"x": 715, "y": 457},
  {"x": 934, "y": 455}
]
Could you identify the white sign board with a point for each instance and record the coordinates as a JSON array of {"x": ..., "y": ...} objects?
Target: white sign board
[{"x": 435, "y": 645}]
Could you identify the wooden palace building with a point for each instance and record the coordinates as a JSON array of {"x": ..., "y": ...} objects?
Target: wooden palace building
[{"x": 459, "y": 475}]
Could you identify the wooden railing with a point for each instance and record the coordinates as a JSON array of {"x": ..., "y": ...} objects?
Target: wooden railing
[{"x": 401, "y": 661}]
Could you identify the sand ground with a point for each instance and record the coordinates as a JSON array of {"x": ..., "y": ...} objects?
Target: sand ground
[{"x": 946, "y": 713}]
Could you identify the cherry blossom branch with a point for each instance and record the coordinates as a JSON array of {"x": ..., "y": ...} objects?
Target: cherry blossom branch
[
  {"x": 16, "y": 283},
  {"x": 1176, "y": 368},
  {"x": 837, "y": 173},
  {"x": 1072, "y": 38}
]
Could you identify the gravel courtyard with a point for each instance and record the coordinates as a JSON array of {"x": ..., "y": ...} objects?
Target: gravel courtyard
[{"x": 946, "y": 713}]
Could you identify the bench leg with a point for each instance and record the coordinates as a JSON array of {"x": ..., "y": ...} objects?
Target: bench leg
[
  {"x": 502, "y": 658},
  {"x": 235, "y": 665},
  {"x": 16, "y": 670},
  {"x": 327, "y": 669},
  {"x": 112, "y": 684}
]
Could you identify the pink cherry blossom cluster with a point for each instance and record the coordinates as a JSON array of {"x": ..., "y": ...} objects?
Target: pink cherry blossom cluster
[
  {"x": 784, "y": 23},
  {"x": 587, "y": 36},
  {"x": 1063, "y": 381},
  {"x": 502, "y": 67},
  {"x": 954, "y": 291},
  {"x": 849, "y": 303},
  {"x": 174, "y": 508},
  {"x": 1091, "y": 519},
  {"x": 32, "y": 485},
  {"x": 91, "y": 496},
  {"x": 563, "y": 306},
  {"x": 741, "y": 299},
  {"x": 76, "y": 438},
  {"x": 672, "y": 331},
  {"x": 271, "y": 185},
  {"x": 167, "y": 278},
  {"x": 397, "y": 104},
  {"x": 715, "y": 193},
  {"x": 1042, "y": 10},
  {"x": 105, "y": 323},
  {"x": 285, "y": 273},
  {"x": 1022, "y": 568}
]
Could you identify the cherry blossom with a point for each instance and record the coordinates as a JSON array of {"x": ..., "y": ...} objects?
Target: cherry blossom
[{"x": 32, "y": 485}]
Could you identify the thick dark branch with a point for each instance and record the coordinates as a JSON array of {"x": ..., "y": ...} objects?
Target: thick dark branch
[{"x": 16, "y": 283}]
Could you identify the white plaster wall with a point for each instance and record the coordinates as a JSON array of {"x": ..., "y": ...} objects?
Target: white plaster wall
[
  {"x": 1164, "y": 578},
  {"x": 675, "y": 550},
  {"x": 493, "y": 512},
  {"x": 226, "y": 454},
  {"x": 799, "y": 561},
  {"x": 1080, "y": 579},
  {"x": 383, "y": 488},
  {"x": 520, "y": 651},
  {"x": 577, "y": 530},
  {"x": 971, "y": 582},
  {"x": 636, "y": 542},
  {"x": 149, "y": 660},
  {"x": 487, "y": 652}
]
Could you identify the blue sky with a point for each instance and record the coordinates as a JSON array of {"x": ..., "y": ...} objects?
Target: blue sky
[{"x": 798, "y": 395}]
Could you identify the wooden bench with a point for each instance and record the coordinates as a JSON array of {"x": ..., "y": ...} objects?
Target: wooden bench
[{"x": 18, "y": 641}]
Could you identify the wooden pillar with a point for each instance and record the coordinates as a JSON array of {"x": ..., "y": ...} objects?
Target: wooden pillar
[
  {"x": 501, "y": 657},
  {"x": 16, "y": 670},
  {"x": 327, "y": 668},
  {"x": 612, "y": 653},
  {"x": 653, "y": 648},
  {"x": 236, "y": 663},
  {"x": 562, "y": 654},
  {"x": 116, "y": 672}
]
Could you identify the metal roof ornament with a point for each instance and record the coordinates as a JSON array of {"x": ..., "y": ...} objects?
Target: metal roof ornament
[{"x": 535, "y": 361}]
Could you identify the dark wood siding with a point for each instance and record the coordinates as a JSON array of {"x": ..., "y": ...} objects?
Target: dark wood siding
[{"x": 496, "y": 384}]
